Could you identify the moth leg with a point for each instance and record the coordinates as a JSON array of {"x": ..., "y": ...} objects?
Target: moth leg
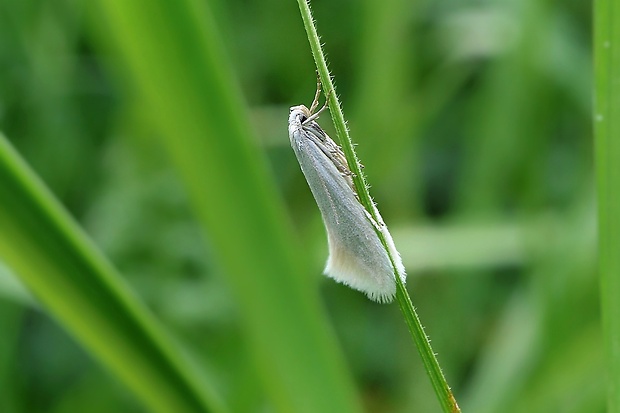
[
  {"x": 330, "y": 149},
  {"x": 317, "y": 95},
  {"x": 341, "y": 162},
  {"x": 338, "y": 158},
  {"x": 316, "y": 114},
  {"x": 372, "y": 221}
]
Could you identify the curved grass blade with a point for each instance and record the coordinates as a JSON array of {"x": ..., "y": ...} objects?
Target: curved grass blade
[
  {"x": 176, "y": 61},
  {"x": 79, "y": 287}
]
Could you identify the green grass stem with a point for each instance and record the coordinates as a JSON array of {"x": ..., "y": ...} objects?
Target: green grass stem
[
  {"x": 421, "y": 340},
  {"x": 607, "y": 153}
]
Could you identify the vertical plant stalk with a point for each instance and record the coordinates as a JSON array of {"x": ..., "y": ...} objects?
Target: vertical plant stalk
[
  {"x": 172, "y": 53},
  {"x": 440, "y": 385},
  {"x": 607, "y": 153}
]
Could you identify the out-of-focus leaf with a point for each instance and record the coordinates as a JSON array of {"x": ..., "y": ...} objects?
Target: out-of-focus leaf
[
  {"x": 607, "y": 145},
  {"x": 176, "y": 60},
  {"x": 79, "y": 287}
]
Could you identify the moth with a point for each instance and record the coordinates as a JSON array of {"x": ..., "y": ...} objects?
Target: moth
[{"x": 357, "y": 257}]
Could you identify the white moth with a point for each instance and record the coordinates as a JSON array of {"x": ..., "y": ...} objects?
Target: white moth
[{"x": 357, "y": 257}]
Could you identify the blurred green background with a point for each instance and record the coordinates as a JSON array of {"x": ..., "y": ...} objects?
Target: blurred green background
[{"x": 472, "y": 119}]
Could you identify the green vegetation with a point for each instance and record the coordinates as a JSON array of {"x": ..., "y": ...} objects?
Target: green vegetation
[
  {"x": 421, "y": 340},
  {"x": 607, "y": 131},
  {"x": 161, "y": 127}
]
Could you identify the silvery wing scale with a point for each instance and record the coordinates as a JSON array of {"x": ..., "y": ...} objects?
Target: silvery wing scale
[{"x": 357, "y": 257}]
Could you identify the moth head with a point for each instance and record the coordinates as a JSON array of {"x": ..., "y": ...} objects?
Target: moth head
[{"x": 299, "y": 114}]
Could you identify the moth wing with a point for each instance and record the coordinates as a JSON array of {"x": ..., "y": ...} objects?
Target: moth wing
[{"x": 357, "y": 257}]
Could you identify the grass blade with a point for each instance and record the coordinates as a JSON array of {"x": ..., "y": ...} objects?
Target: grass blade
[
  {"x": 65, "y": 271},
  {"x": 421, "y": 340},
  {"x": 177, "y": 63},
  {"x": 607, "y": 152}
]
